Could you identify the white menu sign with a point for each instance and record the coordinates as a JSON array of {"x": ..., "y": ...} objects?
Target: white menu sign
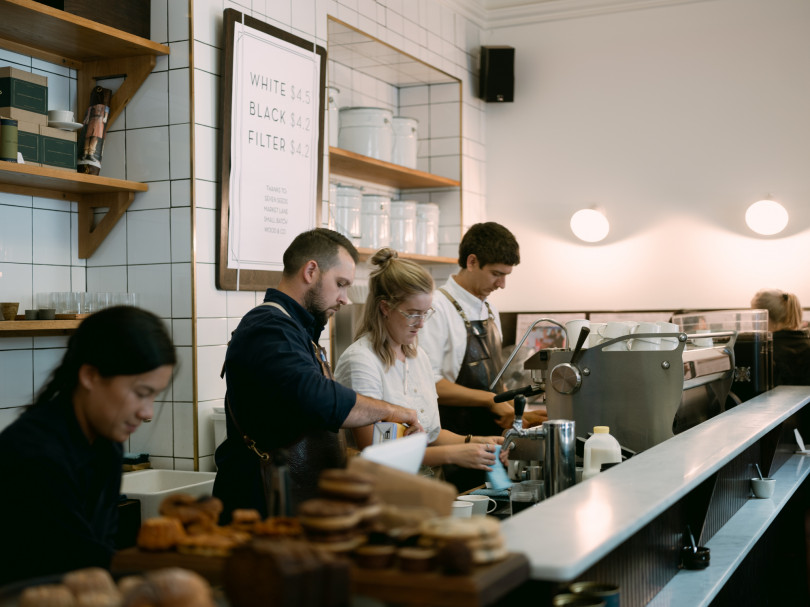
[{"x": 274, "y": 147}]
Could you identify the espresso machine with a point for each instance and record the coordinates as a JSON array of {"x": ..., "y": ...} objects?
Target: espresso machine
[{"x": 645, "y": 397}]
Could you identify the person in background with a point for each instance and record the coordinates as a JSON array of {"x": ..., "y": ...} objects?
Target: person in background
[
  {"x": 385, "y": 362},
  {"x": 60, "y": 461},
  {"x": 283, "y": 409},
  {"x": 791, "y": 343}
]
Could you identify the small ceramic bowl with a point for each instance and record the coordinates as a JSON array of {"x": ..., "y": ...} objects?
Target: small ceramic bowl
[
  {"x": 763, "y": 487},
  {"x": 46, "y": 313},
  {"x": 9, "y": 310}
]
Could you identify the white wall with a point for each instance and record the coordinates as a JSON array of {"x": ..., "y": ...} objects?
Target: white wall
[{"x": 672, "y": 119}]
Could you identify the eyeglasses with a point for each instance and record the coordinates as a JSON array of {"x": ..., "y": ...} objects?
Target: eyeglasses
[{"x": 415, "y": 319}]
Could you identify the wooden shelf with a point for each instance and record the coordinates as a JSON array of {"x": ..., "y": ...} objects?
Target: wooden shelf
[
  {"x": 348, "y": 164},
  {"x": 95, "y": 51},
  {"x": 366, "y": 253},
  {"x": 62, "y": 184},
  {"x": 37, "y": 328},
  {"x": 59, "y": 37}
]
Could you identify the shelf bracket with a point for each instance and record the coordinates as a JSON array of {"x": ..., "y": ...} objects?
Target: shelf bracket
[
  {"x": 91, "y": 237},
  {"x": 134, "y": 70}
]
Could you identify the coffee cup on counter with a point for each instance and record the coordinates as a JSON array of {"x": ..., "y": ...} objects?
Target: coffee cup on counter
[
  {"x": 481, "y": 504},
  {"x": 462, "y": 509},
  {"x": 609, "y": 593},
  {"x": 763, "y": 487}
]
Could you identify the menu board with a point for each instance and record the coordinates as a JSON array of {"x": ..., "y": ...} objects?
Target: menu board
[{"x": 272, "y": 149}]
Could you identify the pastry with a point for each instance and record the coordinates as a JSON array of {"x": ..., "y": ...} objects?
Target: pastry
[
  {"x": 374, "y": 556},
  {"x": 416, "y": 559},
  {"x": 128, "y": 582},
  {"x": 331, "y": 524},
  {"x": 244, "y": 519},
  {"x": 171, "y": 587},
  {"x": 90, "y": 579},
  {"x": 183, "y": 507},
  {"x": 160, "y": 533},
  {"x": 455, "y": 558},
  {"x": 339, "y": 483},
  {"x": 99, "y": 599},
  {"x": 47, "y": 595},
  {"x": 278, "y": 526},
  {"x": 206, "y": 545}
]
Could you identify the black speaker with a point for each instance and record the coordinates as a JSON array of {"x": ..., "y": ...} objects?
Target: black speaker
[{"x": 497, "y": 74}]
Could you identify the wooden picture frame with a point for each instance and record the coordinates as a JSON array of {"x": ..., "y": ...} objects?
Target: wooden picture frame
[{"x": 271, "y": 140}]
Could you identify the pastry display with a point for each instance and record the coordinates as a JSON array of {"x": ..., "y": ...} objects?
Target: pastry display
[
  {"x": 91, "y": 579},
  {"x": 160, "y": 533},
  {"x": 331, "y": 524},
  {"x": 47, "y": 595},
  {"x": 170, "y": 587}
]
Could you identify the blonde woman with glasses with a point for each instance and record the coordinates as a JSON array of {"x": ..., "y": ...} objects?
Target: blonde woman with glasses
[{"x": 386, "y": 362}]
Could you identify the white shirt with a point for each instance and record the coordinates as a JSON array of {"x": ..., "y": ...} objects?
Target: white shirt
[
  {"x": 408, "y": 384},
  {"x": 444, "y": 336}
]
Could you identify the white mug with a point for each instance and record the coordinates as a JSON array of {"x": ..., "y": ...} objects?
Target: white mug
[
  {"x": 645, "y": 343},
  {"x": 480, "y": 503},
  {"x": 573, "y": 329},
  {"x": 702, "y": 342},
  {"x": 462, "y": 509},
  {"x": 60, "y": 116},
  {"x": 612, "y": 330},
  {"x": 595, "y": 338},
  {"x": 668, "y": 343}
]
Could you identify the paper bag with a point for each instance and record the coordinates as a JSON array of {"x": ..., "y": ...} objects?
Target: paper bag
[{"x": 399, "y": 488}]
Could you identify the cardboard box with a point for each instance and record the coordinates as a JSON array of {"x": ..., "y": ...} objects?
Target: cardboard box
[
  {"x": 57, "y": 148},
  {"x": 29, "y": 142},
  {"x": 20, "y": 90}
]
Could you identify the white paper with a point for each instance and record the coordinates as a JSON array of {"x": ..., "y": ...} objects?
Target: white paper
[{"x": 404, "y": 454}]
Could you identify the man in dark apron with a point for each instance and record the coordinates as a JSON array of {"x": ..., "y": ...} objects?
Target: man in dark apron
[
  {"x": 283, "y": 409},
  {"x": 464, "y": 341}
]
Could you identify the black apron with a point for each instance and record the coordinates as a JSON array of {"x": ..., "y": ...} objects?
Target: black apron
[
  {"x": 290, "y": 475},
  {"x": 483, "y": 358}
]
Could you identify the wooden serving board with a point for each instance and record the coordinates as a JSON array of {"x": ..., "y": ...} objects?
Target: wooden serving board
[{"x": 484, "y": 586}]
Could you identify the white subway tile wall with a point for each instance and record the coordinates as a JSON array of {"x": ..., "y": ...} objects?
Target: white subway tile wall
[{"x": 152, "y": 249}]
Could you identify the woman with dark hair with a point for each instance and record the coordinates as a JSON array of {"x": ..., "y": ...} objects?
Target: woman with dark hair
[
  {"x": 791, "y": 343},
  {"x": 60, "y": 461},
  {"x": 385, "y": 362}
]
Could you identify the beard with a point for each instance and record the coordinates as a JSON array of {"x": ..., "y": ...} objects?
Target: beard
[{"x": 314, "y": 304}]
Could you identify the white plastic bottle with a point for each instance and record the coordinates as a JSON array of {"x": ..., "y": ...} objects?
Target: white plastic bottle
[{"x": 600, "y": 448}]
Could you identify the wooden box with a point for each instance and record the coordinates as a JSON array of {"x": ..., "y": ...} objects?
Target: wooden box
[{"x": 131, "y": 16}]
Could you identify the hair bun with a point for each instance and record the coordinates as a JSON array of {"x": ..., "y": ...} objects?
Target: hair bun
[{"x": 383, "y": 256}]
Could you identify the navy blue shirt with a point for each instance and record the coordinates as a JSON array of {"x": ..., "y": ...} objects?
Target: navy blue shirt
[
  {"x": 791, "y": 358},
  {"x": 278, "y": 393},
  {"x": 60, "y": 494}
]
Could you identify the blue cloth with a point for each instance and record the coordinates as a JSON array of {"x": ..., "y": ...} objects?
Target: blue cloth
[
  {"x": 278, "y": 393},
  {"x": 59, "y": 508}
]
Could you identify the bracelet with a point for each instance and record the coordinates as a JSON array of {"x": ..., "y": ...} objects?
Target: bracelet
[{"x": 468, "y": 438}]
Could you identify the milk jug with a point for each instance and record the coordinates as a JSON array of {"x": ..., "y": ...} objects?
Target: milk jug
[{"x": 600, "y": 448}]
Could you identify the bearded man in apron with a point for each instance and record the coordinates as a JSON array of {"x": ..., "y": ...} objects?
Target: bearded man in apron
[
  {"x": 283, "y": 409},
  {"x": 464, "y": 342}
]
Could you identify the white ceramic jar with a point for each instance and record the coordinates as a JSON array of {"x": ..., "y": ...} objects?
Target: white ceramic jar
[
  {"x": 348, "y": 206},
  {"x": 366, "y": 131},
  {"x": 427, "y": 228},
  {"x": 332, "y": 115},
  {"x": 375, "y": 221},
  {"x": 405, "y": 145},
  {"x": 403, "y": 226}
]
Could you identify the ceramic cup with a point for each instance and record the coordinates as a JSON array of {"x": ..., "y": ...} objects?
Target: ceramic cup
[
  {"x": 462, "y": 509},
  {"x": 668, "y": 343},
  {"x": 609, "y": 593},
  {"x": 763, "y": 487},
  {"x": 30, "y": 314},
  {"x": 612, "y": 330},
  {"x": 573, "y": 328},
  {"x": 595, "y": 338},
  {"x": 9, "y": 310},
  {"x": 645, "y": 343},
  {"x": 60, "y": 116},
  {"x": 481, "y": 504},
  {"x": 46, "y": 313},
  {"x": 703, "y": 342}
]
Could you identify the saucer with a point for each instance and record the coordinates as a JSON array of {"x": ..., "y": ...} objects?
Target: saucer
[{"x": 66, "y": 126}]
